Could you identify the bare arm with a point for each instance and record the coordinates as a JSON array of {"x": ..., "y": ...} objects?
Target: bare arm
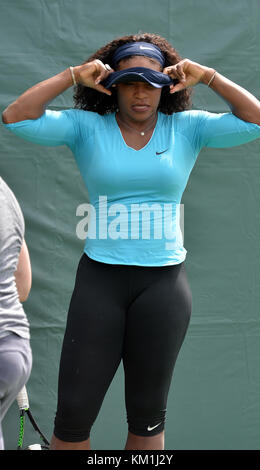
[
  {"x": 243, "y": 104},
  {"x": 32, "y": 103},
  {"x": 23, "y": 273}
]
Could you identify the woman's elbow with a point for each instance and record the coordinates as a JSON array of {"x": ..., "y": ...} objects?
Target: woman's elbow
[
  {"x": 10, "y": 114},
  {"x": 5, "y": 116},
  {"x": 16, "y": 113}
]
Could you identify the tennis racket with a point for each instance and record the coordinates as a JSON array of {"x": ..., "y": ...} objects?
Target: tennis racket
[{"x": 24, "y": 408}]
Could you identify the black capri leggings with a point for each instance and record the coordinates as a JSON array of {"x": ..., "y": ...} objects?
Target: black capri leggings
[{"x": 135, "y": 313}]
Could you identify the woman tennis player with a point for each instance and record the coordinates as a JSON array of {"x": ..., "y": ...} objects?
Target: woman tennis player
[{"x": 135, "y": 140}]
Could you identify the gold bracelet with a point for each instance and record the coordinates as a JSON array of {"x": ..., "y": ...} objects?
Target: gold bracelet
[
  {"x": 73, "y": 76},
  {"x": 212, "y": 78}
]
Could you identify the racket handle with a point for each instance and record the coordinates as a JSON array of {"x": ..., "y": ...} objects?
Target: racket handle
[{"x": 22, "y": 399}]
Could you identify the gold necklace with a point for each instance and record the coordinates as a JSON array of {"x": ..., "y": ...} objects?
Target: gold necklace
[{"x": 133, "y": 129}]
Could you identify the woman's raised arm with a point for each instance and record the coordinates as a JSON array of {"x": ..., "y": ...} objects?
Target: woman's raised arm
[
  {"x": 32, "y": 103},
  {"x": 242, "y": 103}
]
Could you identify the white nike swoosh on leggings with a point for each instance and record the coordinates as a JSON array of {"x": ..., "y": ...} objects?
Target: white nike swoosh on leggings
[{"x": 150, "y": 429}]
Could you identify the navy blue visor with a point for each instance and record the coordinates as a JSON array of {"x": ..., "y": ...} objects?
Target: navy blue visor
[
  {"x": 138, "y": 74},
  {"x": 138, "y": 48}
]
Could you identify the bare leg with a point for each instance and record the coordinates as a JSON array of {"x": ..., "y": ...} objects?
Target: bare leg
[
  {"x": 145, "y": 443},
  {"x": 57, "y": 444}
]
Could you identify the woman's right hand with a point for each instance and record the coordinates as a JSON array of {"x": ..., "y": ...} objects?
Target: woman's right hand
[{"x": 91, "y": 74}]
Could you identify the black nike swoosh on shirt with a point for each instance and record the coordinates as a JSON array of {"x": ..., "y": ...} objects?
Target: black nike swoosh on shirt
[{"x": 159, "y": 153}]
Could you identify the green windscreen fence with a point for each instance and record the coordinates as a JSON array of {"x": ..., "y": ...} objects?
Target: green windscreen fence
[{"x": 214, "y": 399}]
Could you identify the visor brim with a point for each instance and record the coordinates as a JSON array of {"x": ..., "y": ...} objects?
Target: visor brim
[
  {"x": 139, "y": 74},
  {"x": 133, "y": 77}
]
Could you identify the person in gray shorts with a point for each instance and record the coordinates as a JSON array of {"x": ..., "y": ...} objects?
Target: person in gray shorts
[{"x": 15, "y": 285}]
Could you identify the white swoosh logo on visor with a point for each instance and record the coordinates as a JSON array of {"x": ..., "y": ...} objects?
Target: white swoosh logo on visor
[{"x": 143, "y": 47}]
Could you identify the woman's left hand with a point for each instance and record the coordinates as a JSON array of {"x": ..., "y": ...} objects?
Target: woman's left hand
[{"x": 188, "y": 73}]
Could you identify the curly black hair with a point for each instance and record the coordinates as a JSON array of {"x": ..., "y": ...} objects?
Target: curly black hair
[{"x": 89, "y": 99}]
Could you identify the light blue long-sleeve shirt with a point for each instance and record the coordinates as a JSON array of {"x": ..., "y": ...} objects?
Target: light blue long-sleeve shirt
[{"x": 135, "y": 195}]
